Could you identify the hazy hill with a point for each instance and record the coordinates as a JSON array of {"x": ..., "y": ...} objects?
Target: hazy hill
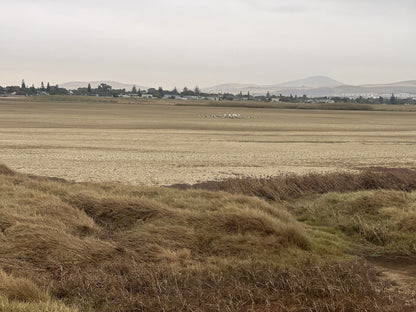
[
  {"x": 73, "y": 85},
  {"x": 409, "y": 83},
  {"x": 320, "y": 86},
  {"x": 311, "y": 82},
  {"x": 233, "y": 88}
]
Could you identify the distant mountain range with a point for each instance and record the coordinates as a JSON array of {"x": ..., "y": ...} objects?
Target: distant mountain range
[
  {"x": 316, "y": 86},
  {"x": 307, "y": 83},
  {"x": 320, "y": 86},
  {"x": 73, "y": 85}
]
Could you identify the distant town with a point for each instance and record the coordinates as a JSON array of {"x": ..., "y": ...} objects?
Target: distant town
[{"x": 106, "y": 90}]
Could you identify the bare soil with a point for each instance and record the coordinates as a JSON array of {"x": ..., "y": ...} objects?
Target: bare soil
[
  {"x": 400, "y": 271},
  {"x": 158, "y": 143}
]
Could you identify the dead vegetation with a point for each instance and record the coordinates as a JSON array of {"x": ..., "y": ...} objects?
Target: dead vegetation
[
  {"x": 113, "y": 247},
  {"x": 291, "y": 186}
]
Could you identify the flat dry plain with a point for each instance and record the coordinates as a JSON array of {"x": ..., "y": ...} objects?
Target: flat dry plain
[{"x": 158, "y": 143}]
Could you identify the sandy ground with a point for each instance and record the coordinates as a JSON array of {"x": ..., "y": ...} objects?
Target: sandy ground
[{"x": 162, "y": 144}]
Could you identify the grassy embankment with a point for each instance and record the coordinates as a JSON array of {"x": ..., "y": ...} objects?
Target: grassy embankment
[
  {"x": 298, "y": 244},
  {"x": 281, "y": 105},
  {"x": 211, "y": 103},
  {"x": 301, "y": 106},
  {"x": 376, "y": 206}
]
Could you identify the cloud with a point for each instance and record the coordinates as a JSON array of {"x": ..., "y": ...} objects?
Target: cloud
[
  {"x": 206, "y": 42},
  {"x": 282, "y": 6},
  {"x": 336, "y": 6}
]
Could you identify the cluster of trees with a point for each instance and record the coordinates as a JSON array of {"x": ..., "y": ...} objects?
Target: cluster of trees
[
  {"x": 359, "y": 100},
  {"x": 106, "y": 90},
  {"x": 101, "y": 90},
  {"x": 380, "y": 100},
  {"x": 23, "y": 89}
]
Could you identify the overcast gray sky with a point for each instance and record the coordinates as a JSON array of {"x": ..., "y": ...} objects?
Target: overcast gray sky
[{"x": 206, "y": 42}]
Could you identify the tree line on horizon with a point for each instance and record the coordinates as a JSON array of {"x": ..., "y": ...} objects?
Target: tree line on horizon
[
  {"x": 25, "y": 90},
  {"x": 106, "y": 90},
  {"x": 102, "y": 89}
]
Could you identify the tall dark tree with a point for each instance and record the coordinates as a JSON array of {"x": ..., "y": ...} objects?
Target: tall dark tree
[
  {"x": 23, "y": 84},
  {"x": 104, "y": 87},
  {"x": 392, "y": 99},
  {"x": 89, "y": 90},
  {"x": 134, "y": 90},
  {"x": 42, "y": 86},
  {"x": 175, "y": 91},
  {"x": 161, "y": 92},
  {"x": 48, "y": 88},
  {"x": 197, "y": 91}
]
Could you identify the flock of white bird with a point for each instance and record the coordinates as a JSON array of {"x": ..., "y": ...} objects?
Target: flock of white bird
[{"x": 228, "y": 116}]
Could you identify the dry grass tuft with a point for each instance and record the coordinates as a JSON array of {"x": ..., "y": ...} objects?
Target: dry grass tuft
[
  {"x": 384, "y": 219},
  {"x": 7, "y": 305},
  {"x": 118, "y": 213},
  {"x": 246, "y": 221},
  {"x": 20, "y": 289},
  {"x": 408, "y": 223}
]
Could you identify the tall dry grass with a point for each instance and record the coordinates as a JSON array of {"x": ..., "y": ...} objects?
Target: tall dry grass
[
  {"x": 383, "y": 219},
  {"x": 112, "y": 247},
  {"x": 290, "y": 186},
  {"x": 22, "y": 295},
  {"x": 20, "y": 289}
]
